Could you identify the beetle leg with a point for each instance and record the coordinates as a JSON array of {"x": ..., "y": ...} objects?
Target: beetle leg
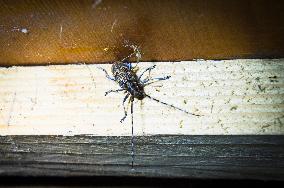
[
  {"x": 107, "y": 75},
  {"x": 148, "y": 69},
  {"x": 125, "y": 111},
  {"x": 113, "y": 91},
  {"x": 154, "y": 80}
]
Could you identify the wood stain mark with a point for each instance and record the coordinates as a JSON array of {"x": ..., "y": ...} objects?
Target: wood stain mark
[
  {"x": 11, "y": 109},
  {"x": 113, "y": 24}
]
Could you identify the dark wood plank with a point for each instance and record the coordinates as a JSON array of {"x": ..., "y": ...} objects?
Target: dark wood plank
[
  {"x": 169, "y": 139},
  {"x": 234, "y": 157},
  {"x": 70, "y": 31}
]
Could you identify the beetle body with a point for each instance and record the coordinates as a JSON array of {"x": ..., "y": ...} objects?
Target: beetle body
[{"x": 127, "y": 79}]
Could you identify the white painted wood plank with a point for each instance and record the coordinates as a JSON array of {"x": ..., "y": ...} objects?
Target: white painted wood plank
[{"x": 235, "y": 97}]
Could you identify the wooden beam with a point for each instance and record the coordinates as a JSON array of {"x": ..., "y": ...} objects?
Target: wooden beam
[
  {"x": 71, "y": 31},
  {"x": 234, "y": 97},
  {"x": 214, "y": 157}
]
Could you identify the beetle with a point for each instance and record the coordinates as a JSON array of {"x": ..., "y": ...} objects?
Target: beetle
[{"x": 124, "y": 74}]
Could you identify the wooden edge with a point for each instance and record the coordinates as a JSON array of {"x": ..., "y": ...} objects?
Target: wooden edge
[{"x": 74, "y": 31}]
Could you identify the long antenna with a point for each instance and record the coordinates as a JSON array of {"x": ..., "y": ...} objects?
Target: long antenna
[
  {"x": 132, "y": 136},
  {"x": 172, "y": 106}
]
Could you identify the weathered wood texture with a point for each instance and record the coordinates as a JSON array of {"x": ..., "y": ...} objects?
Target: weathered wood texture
[
  {"x": 234, "y": 157},
  {"x": 235, "y": 97},
  {"x": 70, "y": 31}
]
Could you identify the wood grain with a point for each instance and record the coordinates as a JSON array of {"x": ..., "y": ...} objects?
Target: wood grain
[
  {"x": 234, "y": 157},
  {"x": 92, "y": 31},
  {"x": 234, "y": 97}
]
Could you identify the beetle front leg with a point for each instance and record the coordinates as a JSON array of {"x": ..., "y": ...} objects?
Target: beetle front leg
[
  {"x": 148, "y": 69},
  {"x": 107, "y": 75},
  {"x": 113, "y": 91},
  {"x": 154, "y": 80}
]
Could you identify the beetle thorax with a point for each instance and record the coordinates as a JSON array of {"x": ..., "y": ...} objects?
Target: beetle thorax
[{"x": 128, "y": 80}]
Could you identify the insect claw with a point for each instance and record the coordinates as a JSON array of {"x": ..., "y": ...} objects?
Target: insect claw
[{"x": 122, "y": 119}]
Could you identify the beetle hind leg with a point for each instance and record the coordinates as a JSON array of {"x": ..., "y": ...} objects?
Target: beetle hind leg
[{"x": 125, "y": 110}]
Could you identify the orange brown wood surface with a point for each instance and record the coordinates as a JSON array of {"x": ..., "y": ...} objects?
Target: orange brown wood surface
[{"x": 58, "y": 32}]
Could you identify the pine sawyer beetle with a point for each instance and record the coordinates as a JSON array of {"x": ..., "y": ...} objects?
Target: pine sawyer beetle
[{"x": 133, "y": 85}]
